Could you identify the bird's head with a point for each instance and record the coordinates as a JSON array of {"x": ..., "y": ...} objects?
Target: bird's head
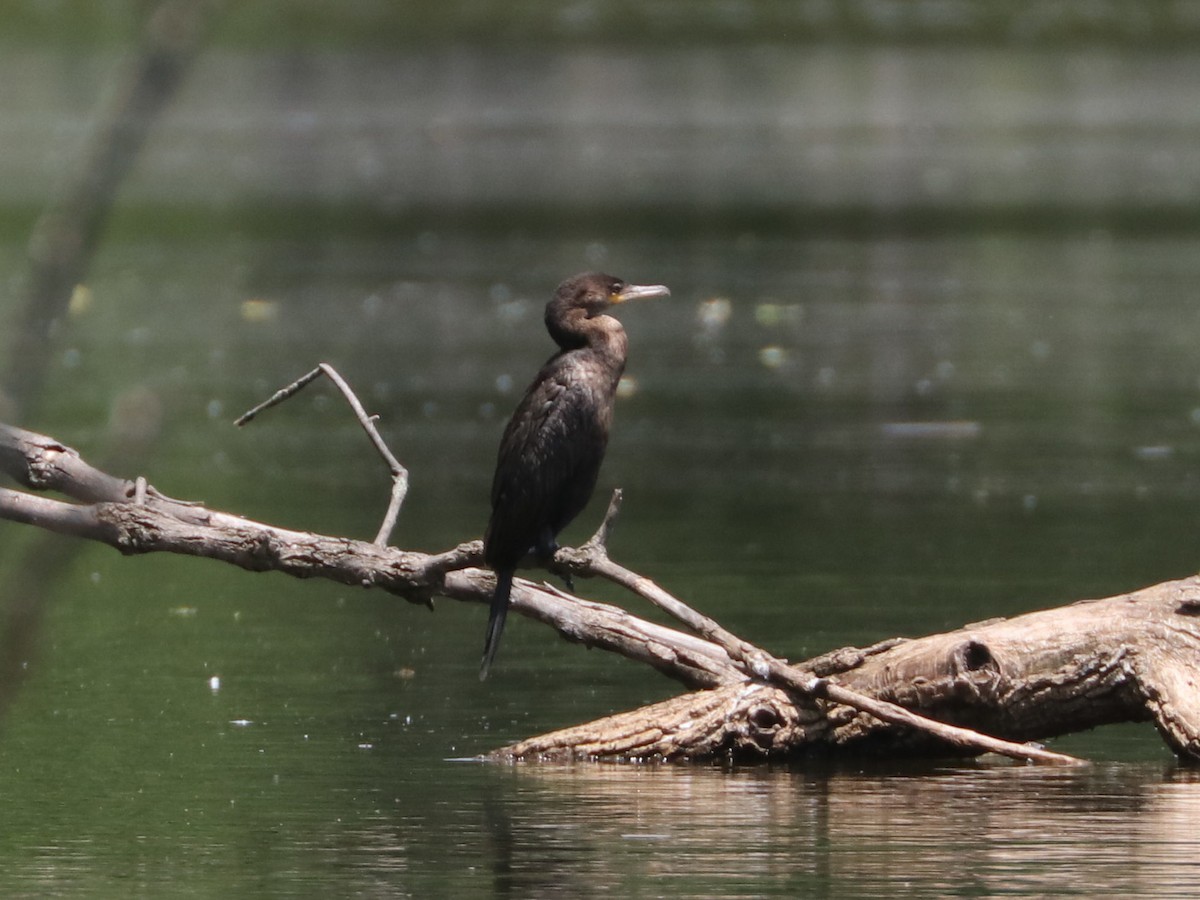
[
  {"x": 586, "y": 297},
  {"x": 596, "y": 292}
]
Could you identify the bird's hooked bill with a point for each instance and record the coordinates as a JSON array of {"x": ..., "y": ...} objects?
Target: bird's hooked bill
[{"x": 640, "y": 291}]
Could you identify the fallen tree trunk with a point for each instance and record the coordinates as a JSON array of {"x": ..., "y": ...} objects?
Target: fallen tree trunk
[{"x": 1128, "y": 658}]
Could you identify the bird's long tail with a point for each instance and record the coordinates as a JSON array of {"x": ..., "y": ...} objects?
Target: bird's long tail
[{"x": 496, "y": 621}]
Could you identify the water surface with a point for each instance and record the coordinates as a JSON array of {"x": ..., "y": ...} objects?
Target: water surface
[{"x": 929, "y": 359}]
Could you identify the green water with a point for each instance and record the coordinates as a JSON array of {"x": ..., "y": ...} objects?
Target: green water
[{"x": 929, "y": 358}]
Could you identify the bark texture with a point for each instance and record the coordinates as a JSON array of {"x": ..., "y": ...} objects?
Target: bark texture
[{"x": 1128, "y": 658}]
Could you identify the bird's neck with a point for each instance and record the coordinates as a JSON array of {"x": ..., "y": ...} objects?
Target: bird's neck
[{"x": 602, "y": 335}]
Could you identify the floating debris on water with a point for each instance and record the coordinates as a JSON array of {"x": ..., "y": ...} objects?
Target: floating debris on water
[
  {"x": 771, "y": 315},
  {"x": 81, "y": 300},
  {"x": 772, "y": 356},
  {"x": 511, "y": 312},
  {"x": 1154, "y": 452},
  {"x": 955, "y": 430},
  {"x": 714, "y": 314},
  {"x": 257, "y": 309}
]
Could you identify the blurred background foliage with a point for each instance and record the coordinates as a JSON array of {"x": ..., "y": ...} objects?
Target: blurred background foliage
[{"x": 930, "y": 358}]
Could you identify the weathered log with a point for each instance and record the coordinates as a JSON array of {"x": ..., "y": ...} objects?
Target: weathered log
[{"x": 1130, "y": 658}]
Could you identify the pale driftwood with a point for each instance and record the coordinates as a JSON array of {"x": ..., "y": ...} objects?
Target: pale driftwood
[
  {"x": 1123, "y": 659},
  {"x": 1128, "y": 658}
]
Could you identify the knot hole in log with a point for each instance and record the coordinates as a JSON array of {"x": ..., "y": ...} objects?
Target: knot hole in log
[
  {"x": 1189, "y": 607},
  {"x": 974, "y": 656},
  {"x": 765, "y": 723}
]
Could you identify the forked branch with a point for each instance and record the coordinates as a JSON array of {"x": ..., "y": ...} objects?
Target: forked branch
[{"x": 398, "y": 472}]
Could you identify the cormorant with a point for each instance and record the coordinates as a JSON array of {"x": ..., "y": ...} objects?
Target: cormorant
[{"x": 551, "y": 451}]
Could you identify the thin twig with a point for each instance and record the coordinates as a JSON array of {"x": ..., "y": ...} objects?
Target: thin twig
[
  {"x": 593, "y": 559},
  {"x": 398, "y": 472},
  {"x": 785, "y": 676},
  {"x": 278, "y": 397},
  {"x": 460, "y": 557},
  {"x": 600, "y": 538}
]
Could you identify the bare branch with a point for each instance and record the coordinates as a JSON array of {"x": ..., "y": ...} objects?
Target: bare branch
[
  {"x": 398, "y": 472},
  {"x": 43, "y": 464},
  {"x": 684, "y": 658},
  {"x": 600, "y": 538},
  {"x": 278, "y": 397},
  {"x": 161, "y": 524},
  {"x": 53, "y": 515}
]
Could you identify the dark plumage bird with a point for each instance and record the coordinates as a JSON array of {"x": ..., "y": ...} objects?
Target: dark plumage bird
[{"x": 551, "y": 451}]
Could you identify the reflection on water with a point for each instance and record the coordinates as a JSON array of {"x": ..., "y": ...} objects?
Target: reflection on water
[
  {"x": 982, "y": 831},
  {"x": 534, "y": 831}
]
